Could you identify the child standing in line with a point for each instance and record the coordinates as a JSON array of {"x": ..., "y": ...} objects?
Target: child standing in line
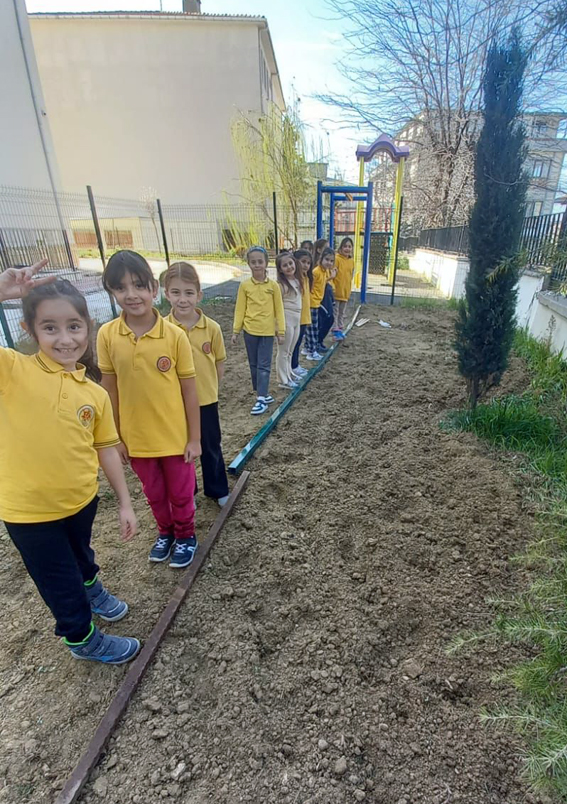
[
  {"x": 56, "y": 427},
  {"x": 307, "y": 245},
  {"x": 305, "y": 272},
  {"x": 259, "y": 311},
  {"x": 291, "y": 290},
  {"x": 342, "y": 285},
  {"x": 147, "y": 368},
  {"x": 318, "y": 249},
  {"x": 183, "y": 291},
  {"x": 322, "y": 275}
]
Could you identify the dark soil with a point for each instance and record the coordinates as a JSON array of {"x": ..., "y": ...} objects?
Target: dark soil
[{"x": 309, "y": 662}]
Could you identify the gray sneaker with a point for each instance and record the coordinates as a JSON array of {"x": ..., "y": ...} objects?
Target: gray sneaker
[
  {"x": 105, "y": 605},
  {"x": 99, "y": 647}
]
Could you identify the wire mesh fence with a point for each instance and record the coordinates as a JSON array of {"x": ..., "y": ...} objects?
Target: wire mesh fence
[{"x": 36, "y": 224}]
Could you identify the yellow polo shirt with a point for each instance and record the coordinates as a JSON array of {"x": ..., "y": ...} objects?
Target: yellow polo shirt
[
  {"x": 153, "y": 423},
  {"x": 52, "y": 422},
  {"x": 305, "y": 302},
  {"x": 207, "y": 344},
  {"x": 342, "y": 283},
  {"x": 320, "y": 279},
  {"x": 259, "y": 308}
]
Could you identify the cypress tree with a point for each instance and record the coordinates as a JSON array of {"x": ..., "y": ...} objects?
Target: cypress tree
[{"x": 486, "y": 322}]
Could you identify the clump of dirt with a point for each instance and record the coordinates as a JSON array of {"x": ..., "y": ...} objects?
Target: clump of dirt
[{"x": 308, "y": 663}]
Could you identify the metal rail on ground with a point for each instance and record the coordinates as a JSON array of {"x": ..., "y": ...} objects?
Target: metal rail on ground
[
  {"x": 248, "y": 451},
  {"x": 119, "y": 702}
]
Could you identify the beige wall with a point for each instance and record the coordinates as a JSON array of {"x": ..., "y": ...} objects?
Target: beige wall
[
  {"x": 147, "y": 102},
  {"x": 22, "y": 157}
]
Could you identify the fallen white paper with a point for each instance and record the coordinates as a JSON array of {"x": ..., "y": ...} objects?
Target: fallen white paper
[{"x": 385, "y": 324}]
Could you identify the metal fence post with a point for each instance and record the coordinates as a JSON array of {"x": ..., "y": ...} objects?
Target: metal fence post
[
  {"x": 396, "y": 253},
  {"x": 162, "y": 224},
  {"x": 100, "y": 243},
  {"x": 276, "y": 235},
  {"x": 6, "y": 328}
]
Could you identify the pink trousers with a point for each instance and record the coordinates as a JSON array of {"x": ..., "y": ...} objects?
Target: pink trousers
[{"x": 169, "y": 485}]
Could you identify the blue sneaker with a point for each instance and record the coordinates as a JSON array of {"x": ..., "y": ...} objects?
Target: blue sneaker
[
  {"x": 183, "y": 552},
  {"x": 162, "y": 548},
  {"x": 99, "y": 647},
  {"x": 322, "y": 348},
  {"x": 106, "y": 606},
  {"x": 338, "y": 335}
]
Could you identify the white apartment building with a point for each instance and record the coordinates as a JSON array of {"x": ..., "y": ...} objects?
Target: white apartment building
[{"x": 140, "y": 100}]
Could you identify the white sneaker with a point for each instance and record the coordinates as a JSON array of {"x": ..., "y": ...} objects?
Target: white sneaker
[
  {"x": 300, "y": 371},
  {"x": 289, "y": 384},
  {"x": 314, "y": 356},
  {"x": 304, "y": 352},
  {"x": 222, "y": 501}
]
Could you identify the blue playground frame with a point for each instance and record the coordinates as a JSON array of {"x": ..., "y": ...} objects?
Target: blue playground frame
[{"x": 356, "y": 193}]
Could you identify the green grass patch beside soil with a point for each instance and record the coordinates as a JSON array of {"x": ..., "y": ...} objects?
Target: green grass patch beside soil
[{"x": 532, "y": 428}]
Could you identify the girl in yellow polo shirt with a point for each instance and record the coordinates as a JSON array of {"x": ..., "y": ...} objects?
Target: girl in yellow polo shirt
[
  {"x": 183, "y": 291},
  {"x": 147, "y": 368},
  {"x": 305, "y": 265},
  {"x": 323, "y": 273},
  {"x": 259, "y": 312},
  {"x": 56, "y": 427},
  {"x": 342, "y": 284}
]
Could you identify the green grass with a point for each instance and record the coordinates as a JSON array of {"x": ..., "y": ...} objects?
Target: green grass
[
  {"x": 534, "y": 427},
  {"x": 426, "y": 303}
]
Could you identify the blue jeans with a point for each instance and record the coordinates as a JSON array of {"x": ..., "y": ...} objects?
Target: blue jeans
[
  {"x": 59, "y": 559},
  {"x": 260, "y": 349}
]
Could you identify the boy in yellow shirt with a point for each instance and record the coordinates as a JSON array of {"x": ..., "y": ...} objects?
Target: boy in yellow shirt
[
  {"x": 183, "y": 291},
  {"x": 259, "y": 312},
  {"x": 147, "y": 368}
]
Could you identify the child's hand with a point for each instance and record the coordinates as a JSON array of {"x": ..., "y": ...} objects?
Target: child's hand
[
  {"x": 280, "y": 339},
  {"x": 128, "y": 523},
  {"x": 234, "y": 338},
  {"x": 192, "y": 451},
  {"x": 333, "y": 273},
  {"x": 15, "y": 283},
  {"x": 122, "y": 450}
]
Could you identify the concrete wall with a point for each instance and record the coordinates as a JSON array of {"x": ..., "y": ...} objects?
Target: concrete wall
[
  {"x": 22, "y": 158},
  {"x": 548, "y": 320},
  {"x": 148, "y": 101},
  {"x": 448, "y": 273}
]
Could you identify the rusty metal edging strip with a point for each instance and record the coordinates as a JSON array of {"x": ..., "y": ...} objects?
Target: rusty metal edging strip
[
  {"x": 246, "y": 452},
  {"x": 91, "y": 755}
]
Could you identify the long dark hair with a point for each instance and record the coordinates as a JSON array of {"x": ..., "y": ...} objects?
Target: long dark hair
[
  {"x": 62, "y": 289},
  {"x": 282, "y": 278},
  {"x": 299, "y": 254},
  {"x": 318, "y": 248},
  {"x": 325, "y": 252},
  {"x": 347, "y": 240}
]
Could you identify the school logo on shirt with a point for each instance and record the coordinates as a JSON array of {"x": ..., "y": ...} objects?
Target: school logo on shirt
[
  {"x": 207, "y": 348},
  {"x": 163, "y": 363},
  {"x": 86, "y": 414}
]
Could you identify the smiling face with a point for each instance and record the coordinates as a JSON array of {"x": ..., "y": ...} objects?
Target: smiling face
[
  {"x": 346, "y": 249},
  {"x": 287, "y": 266},
  {"x": 183, "y": 297},
  {"x": 62, "y": 334},
  {"x": 258, "y": 264},
  {"x": 133, "y": 296},
  {"x": 328, "y": 262}
]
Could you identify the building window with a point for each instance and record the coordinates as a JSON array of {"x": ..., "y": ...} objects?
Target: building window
[
  {"x": 540, "y": 168},
  {"x": 539, "y": 128},
  {"x": 533, "y": 209}
]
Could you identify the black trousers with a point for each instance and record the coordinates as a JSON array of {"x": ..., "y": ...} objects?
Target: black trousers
[
  {"x": 215, "y": 483},
  {"x": 326, "y": 313},
  {"x": 295, "y": 355},
  {"x": 59, "y": 558}
]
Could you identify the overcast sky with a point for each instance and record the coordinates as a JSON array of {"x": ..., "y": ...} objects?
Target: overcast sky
[{"x": 307, "y": 41}]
